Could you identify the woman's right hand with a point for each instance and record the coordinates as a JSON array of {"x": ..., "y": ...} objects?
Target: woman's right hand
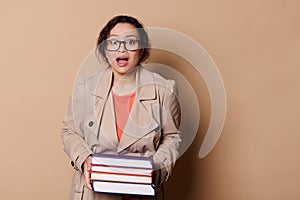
[{"x": 87, "y": 166}]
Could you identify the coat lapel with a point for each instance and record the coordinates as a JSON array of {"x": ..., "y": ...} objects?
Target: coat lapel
[
  {"x": 99, "y": 93},
  {"x": 108, "y": 125},
  {"x": 140, "y": 121}
]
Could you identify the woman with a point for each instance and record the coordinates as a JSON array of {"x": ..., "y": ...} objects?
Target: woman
[{"x": 124, "y": 109}]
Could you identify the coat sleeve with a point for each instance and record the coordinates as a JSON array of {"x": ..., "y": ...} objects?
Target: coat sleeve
[
  {"x": 72, "y": 132},
  {"x": 167, "y": 152}
]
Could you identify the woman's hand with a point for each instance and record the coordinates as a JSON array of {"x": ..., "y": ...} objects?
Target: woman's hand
[{"x": 87, "y": 166}]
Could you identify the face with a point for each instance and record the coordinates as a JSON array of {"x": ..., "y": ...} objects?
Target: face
[{"x": 122, "y": 60}]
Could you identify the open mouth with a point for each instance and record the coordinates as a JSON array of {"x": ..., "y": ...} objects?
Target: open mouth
[{"x": 121, "y": 59}]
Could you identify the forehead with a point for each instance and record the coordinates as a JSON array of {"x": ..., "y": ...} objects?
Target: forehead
[{"x": 124, "y": 30}]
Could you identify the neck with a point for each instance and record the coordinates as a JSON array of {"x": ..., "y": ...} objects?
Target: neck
[{"x": 124, "y": 84}]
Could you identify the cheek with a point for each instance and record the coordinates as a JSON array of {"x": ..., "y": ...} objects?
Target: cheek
[
  {"x": 136, "y": 56},
  {"x": 110, "y": 57}
]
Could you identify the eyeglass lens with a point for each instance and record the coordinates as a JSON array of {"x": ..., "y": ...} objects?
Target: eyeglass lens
[{"x": 129, "y": 45}]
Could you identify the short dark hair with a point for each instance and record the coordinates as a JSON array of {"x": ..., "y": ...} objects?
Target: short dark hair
[{"x": 144, "y": 39}]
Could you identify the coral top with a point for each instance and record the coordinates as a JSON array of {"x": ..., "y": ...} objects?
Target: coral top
[{"x": 122, "y": 106}]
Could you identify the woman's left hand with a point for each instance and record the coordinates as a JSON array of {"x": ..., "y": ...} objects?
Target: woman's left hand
[{"x": 87, "y": 166}]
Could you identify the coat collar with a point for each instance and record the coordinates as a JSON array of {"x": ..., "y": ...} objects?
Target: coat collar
[
  {"x": 145, "y": 86},
  {"x": 140, "y": 122}
]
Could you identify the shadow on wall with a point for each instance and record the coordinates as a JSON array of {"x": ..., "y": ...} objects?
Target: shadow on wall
[
  {"x": 184, "y": 183},
  {"x": 188, "y": 179}
]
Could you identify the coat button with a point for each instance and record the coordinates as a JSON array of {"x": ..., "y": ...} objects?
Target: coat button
[
  {"x": 91, "y": 123},
  {"x": 72, "y": 163}
]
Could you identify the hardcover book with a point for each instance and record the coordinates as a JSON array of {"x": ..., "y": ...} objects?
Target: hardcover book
[
  {"x": 122, "y": 174},
  {"x": 121, "y": 177},
  {"x": 121, "y": 170},
  {"x": 122, "y": 161},
  {"x": 124, "y": 188}
]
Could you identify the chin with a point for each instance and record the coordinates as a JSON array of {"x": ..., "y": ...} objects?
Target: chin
[{"x": 121, "y": 70}]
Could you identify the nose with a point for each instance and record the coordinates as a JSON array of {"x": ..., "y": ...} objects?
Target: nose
[{"x": 122, "y": 47}]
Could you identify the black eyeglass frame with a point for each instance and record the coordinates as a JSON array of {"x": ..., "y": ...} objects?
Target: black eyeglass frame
[{"x": 124, "y": 42}]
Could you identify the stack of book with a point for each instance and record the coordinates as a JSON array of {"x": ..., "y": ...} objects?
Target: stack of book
[{"x": 122, "y": 174}]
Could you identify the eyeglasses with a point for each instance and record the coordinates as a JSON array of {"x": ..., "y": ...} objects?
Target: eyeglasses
[{"x": 129, "y": 45}]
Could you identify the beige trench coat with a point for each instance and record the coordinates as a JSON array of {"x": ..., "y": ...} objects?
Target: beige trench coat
[{"x": 151, "y": 130}]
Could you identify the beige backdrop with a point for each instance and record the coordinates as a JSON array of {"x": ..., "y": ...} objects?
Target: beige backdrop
[{"x": 254, "y": 43}]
